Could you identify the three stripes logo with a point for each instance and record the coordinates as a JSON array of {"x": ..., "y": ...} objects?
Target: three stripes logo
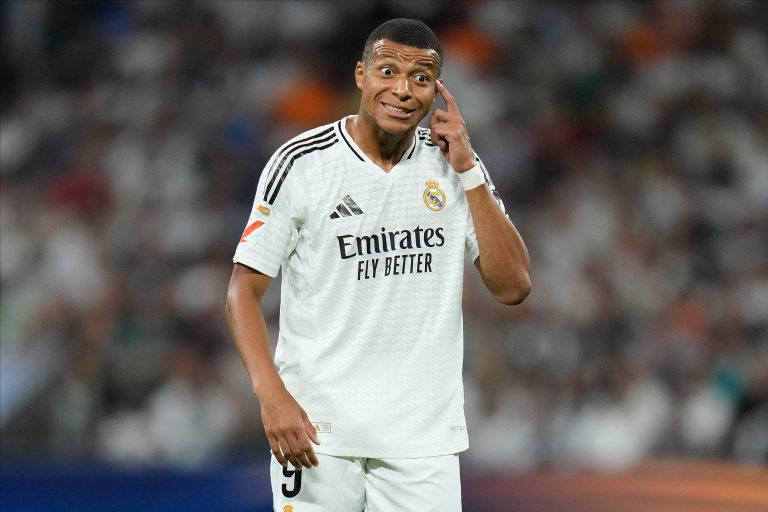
[{"x": 346, "y": 208}]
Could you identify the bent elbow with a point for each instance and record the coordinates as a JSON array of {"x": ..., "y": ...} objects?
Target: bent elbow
[{"x": 515, "y": 293}]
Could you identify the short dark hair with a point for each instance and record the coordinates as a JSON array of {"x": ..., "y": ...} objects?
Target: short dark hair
[{"x": 404, "y": 31}]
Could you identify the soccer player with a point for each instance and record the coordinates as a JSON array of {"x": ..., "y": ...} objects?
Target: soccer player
[{"x": 369, "y": 218}]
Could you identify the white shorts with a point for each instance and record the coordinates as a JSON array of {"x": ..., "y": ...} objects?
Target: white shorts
[{"x": 357, "y": 484}]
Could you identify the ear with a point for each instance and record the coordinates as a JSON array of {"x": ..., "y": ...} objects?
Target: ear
[{"x": 359, "y": 74}]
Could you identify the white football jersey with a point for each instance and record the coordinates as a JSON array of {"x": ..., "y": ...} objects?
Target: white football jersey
[{"x": 370, "y": 341}]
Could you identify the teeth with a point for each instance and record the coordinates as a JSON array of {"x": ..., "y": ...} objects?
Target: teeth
[{"x": 394, "y": 109}]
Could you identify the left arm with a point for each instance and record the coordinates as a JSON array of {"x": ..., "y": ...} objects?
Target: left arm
[{"x": 503, "y": 263}]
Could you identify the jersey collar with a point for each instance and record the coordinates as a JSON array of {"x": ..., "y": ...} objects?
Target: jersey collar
[{"x": 358, "y": 153}]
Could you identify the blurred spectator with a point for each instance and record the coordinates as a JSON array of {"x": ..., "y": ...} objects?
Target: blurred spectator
[{"x": 629, "y": 140}]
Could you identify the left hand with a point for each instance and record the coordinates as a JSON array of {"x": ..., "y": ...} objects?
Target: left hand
[{"x": 449, "y": 133}]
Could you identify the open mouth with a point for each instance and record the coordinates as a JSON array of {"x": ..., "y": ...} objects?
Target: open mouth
[{"x": 398, "y": 112}]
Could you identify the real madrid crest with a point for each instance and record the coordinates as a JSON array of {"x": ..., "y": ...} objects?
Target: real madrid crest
[{"x": 434, "y": 197}]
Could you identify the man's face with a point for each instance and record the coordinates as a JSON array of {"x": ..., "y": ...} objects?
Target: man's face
[{"x": 398, "y": 85}]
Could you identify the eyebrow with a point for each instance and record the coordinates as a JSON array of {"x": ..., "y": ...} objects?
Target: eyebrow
[{"x": 425, "y": 63}]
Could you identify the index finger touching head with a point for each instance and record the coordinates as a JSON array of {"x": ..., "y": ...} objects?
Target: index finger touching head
[{"x": 450, "y": 100}]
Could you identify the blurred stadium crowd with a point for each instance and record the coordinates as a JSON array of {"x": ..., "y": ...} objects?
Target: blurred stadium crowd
[{"x": 629, "y": 141}]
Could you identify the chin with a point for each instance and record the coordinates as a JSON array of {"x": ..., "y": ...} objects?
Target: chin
[{"x": 396, "y": 126}]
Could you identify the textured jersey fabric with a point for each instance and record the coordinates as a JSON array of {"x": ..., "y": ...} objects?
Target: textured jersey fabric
[{"x": 370, "y": 341}]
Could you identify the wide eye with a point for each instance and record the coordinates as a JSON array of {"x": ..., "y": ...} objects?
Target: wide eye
[
  {"x": 386, "y": 70},
  {"x": 422, "y": 78}
]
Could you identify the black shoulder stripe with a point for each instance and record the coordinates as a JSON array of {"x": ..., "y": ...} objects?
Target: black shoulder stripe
[
  {"x": 277, "y": 167},
  {"x": 426, "y": 138},
  {"x": 307, "y": 139},
  {"x": 491, "y": 186},
  {"x": 341, "y": 132},
  {"x": 288, "y": 166},
  {"x": 293, "y": 144}
]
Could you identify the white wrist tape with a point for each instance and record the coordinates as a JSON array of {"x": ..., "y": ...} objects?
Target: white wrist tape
[{"x": 472, "y": 178}]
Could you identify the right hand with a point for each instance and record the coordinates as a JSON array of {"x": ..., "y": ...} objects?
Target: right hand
[{"x": 289, "y": 430}]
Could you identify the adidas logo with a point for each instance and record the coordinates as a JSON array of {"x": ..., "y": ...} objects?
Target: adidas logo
[{"x": 346, "y": 208}]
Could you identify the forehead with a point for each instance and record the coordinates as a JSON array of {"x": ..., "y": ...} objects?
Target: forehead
[{"x": 385, "y": 48}]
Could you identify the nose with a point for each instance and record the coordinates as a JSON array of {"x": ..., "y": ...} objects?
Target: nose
[{"x": 402, "y": 88}]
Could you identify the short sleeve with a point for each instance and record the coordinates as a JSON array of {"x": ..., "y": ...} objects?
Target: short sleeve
[
  {"x": 272, "y": 228},
  {"x": 471, "y": 241}
]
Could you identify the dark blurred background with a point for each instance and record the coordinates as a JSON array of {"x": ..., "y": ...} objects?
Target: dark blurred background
[{"x": 629, "y": 141}]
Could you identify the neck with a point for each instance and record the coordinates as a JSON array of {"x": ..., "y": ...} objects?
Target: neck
[{"x": 384, "y": 149}]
